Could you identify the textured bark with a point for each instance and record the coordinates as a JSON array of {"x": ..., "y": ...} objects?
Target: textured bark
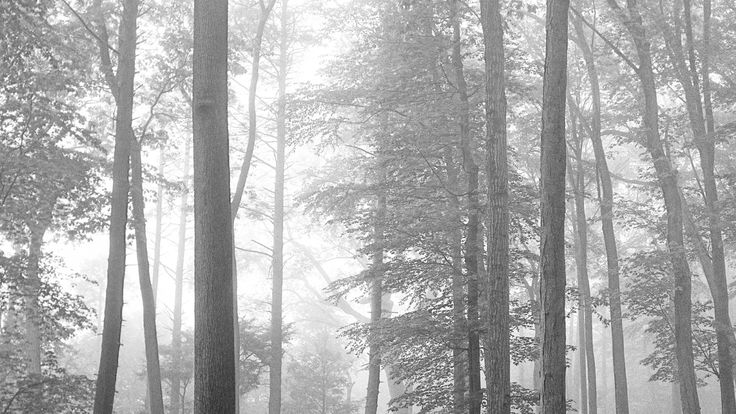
[
  {"x": 609, "y": 236},
  {"x": 472, "y": 256},
  {"x": 159, "y": 219},
  {"x": 580, "y": 228},
  {"x": 497, "y": 352},
  {"x": 277, "y": 337},
  {"x": 214, "y": 368},
  {"x": 121, "y": 87},
  {"x": 32, "y": 290},
  {"x": 374, "y": 349},
  {"x": 667, "y": 177},
  {"x": 552, "y": 249},
  {"x": 153, "y": 368},
  {"x": 175, "y": 397}
]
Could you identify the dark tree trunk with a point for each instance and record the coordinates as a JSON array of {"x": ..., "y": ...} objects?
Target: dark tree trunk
[
  {"x": 121, "y": 87},
  {"x": 277, "y": 338},
  {"x": 176, "y": 362},
  {"x": 214, "y": 368},
  {"x": 582, "y": 364},
  {"x": 667, "y": 175},
  {"x": 552, "y": 248},
  {"x": 497, "y": 353},
  {"x": 472, "y": 256},
  {"x": 374, "y": 349},
  {"x": 153, "y": 369},
  {"x": 609, "y": 236}
]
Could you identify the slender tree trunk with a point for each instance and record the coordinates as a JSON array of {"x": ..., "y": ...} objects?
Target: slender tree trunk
[
  {"x": 472, "y": 256},
  {"x": 33, "y": 289},
  {"x": 609, "y": 236},
  {"x": 552, "y": 248},
  {"x": 701, "y": 125},
  {"x": 580, "y": 227},
  {"x": 176, "y": 361},
  {"x": 159, "y": 219},
  {"x": 582, "y": 364},
  {"x": 667, "y": 176},
  {"x": 214, "y": 348},
  {"x": 374, "y": 349},
  {"x": 274, "y": 400},
  {"x": 153, "y": 369},
  {"x": 121, "y": 87},
  {"x": 497, "y": 353}
]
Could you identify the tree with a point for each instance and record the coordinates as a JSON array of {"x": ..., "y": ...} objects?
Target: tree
[
  {"x": 552, "y": 246},
  {"x": 274, "y": 400},
  {"x": 667, "y": 177},
  {"x": 214, "y": 370},
  {"x": 497, "y": 352},
  {"x": 121, "y": 86}
]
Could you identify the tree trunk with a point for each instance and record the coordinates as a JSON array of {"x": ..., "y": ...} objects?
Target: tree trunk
[
  {"x": 580, "y": 228},
  {"x": 609, "y": 236},
  {"x": 472, "y": 256},
  {"x": 176, "y": 367},
  {"x": 159, "y": 219},
  {"x": 122, "y": 87},
  {"x": 153, "y": 369},
  {"x": 274, "y": 400},
  {"x": 374, "y": 349},
  {"x": 32, "y": 291},
  {"x": 497, "y": 353},
  {"x": 214, "y": 368},
  {"x": 706, "y": 149},
  {"x": 582, "y": 364},
  {"x": 552, "y": 248},
  {"x": 667, "y": 177}
]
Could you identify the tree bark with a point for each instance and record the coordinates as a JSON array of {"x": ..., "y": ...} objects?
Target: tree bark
[
  {"x": 33, "y": 288},
  {"x": 552, "y": 248},
  {"x": 122, "y": 87},
  {"x": 472, "y": 257},
  {"x": 214, "y": 348},
  {"x": 497, "y": 353},
  {"x": 274, "y": 400},
  {"x": 667, "y": 176},
  {"x": 582, "y": 364},
  {"x": 609, "y": 236},
  {"x": 153, "y": 369},
  {"x": 178, "y": 289},
  {"x": 374, "y": 349}
]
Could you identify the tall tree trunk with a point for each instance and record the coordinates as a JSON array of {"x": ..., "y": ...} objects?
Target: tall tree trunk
[
  {"x": 374, "y": 349},
  {"x": 153, "y": 369},
  {"x": 274, "y": 399},
  {"x": 176, "y": 361},
  {"x": 122, "y": 87},
  {"x": 580, "y": 228},
  {"x": 609, "y": 236},
  {"x": 582, "y": 364},
  {"x": 159, "y": 219},
  {"x": 667, "y": 177},
  {"x": 497, "y": 353},
  {"x": 706, "y": 148},
  {"x": 552, "y": 248},
  {"x": 32, "y": 291},
  {"x": 214, "y": 348},
  {"x": 472, "y": 256}
]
